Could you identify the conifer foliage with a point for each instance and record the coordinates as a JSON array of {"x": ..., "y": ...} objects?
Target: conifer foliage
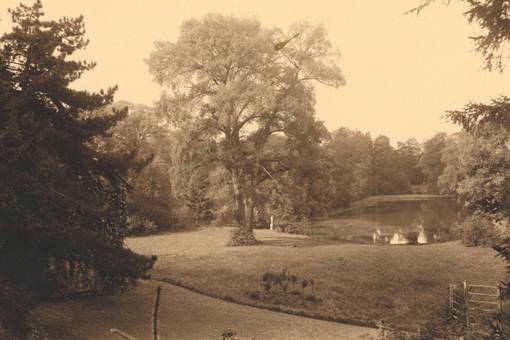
[{"x": 62, "y": 202}]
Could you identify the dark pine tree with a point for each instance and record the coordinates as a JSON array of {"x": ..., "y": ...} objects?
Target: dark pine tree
[{"x": 62, "y": 203}]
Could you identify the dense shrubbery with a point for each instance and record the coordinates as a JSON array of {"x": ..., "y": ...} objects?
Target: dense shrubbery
[
  {"x": 284, "y": 288},
  {"x": 287, "y": 282},
  {"x": 478, "y": 230},
  {"x": 242, "y": 237},
  {"x": 295, "y": 226}
]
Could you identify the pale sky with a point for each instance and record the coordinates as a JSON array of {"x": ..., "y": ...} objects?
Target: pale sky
[{"x": 402, "y": 71}]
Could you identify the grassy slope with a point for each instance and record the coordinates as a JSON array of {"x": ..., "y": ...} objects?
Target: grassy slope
[{"x": 398, "y": 284}]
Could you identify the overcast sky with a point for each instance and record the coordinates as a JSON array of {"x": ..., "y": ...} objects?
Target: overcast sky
[{"x": 402, "y": 71}]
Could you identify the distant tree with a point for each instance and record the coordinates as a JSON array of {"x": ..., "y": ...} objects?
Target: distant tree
[
  {"x": 151, "y": 205},
  {"x": 62, "y": 203},
  {"x": 431, "y": 160},
  {"x": 361, "y": 167},
  {"x": 196, "y": 195},
  {"x": 387, "y": 177},
  {"x": 350, "y": 151},
  {"x": 192, "y": 158},
  {"x": 226, "y": 76},
  {"x": 308, "y": 169},
  {"x": 454, "y": 155},
  {"x": 410, "y": 154},
  {"x": 143, "y": 135},
  {"x": 300, "y": 186}
]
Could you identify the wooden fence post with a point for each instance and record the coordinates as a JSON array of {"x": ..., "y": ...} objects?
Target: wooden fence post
[
  {"x": 155, "y": 315},
  {"x": 155, "y": 309},
  {"x": 450, "y": 296},
  {"x": 500, "y": 297},
  {"x": 466, "y": 301}
]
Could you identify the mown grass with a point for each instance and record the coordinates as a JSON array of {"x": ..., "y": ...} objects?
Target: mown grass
[{"x": 402, "y": 285}]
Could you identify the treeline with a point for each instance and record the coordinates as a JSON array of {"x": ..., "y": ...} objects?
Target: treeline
[{"x": 183, "y": 182}]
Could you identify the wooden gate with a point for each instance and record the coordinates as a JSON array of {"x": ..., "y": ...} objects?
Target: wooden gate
[{"x": 477, "y": 305}]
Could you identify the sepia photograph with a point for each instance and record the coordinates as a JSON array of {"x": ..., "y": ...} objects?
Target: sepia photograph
[{"x": 254, "y": 170}]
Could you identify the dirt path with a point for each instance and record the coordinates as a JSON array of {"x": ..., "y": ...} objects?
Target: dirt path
[{"x": 183, "y": 315}]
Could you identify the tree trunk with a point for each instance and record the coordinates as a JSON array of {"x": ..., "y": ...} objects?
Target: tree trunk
[
  {"x": 243, "y": 212},
  {"x": 238, "y": 197},
  {"x": 248, "y": 213}
]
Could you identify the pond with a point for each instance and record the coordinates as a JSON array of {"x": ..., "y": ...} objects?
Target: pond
[{"x": 414, "y": 219}]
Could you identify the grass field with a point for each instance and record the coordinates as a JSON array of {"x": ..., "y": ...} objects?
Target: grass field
[{"x": 401, "y": 285}]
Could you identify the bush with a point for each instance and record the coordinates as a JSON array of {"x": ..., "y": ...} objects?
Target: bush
[
  {"x": 242, "y": 237},
  {"x": 301, "y": 226},
  {"x": 284, "y": 280},
  {"x": 138, "y": 225},
  {"x": 478, "y": 230}
]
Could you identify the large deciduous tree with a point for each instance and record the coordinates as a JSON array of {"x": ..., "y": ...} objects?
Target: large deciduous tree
[
  {"x": 62, "y": 203},
  {"x": 242, "y": 83}
]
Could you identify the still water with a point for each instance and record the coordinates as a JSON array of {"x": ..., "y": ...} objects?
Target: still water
[{"x": 415, "y": 220}]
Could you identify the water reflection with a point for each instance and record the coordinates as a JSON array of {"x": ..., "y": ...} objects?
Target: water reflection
[
  {"x": 422, "y": 238},
  {"x": 397, "y": 222},
  {"x": 399, "y": 238}
]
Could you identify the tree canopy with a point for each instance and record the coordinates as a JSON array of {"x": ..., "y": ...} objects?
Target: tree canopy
[{"x": 225, "y": 75}]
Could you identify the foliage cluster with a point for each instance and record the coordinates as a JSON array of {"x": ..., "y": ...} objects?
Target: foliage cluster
[{"x": 285, "y": 280}]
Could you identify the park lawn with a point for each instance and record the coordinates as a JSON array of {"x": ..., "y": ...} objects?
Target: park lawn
[{"x": 402, "y": 285}]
